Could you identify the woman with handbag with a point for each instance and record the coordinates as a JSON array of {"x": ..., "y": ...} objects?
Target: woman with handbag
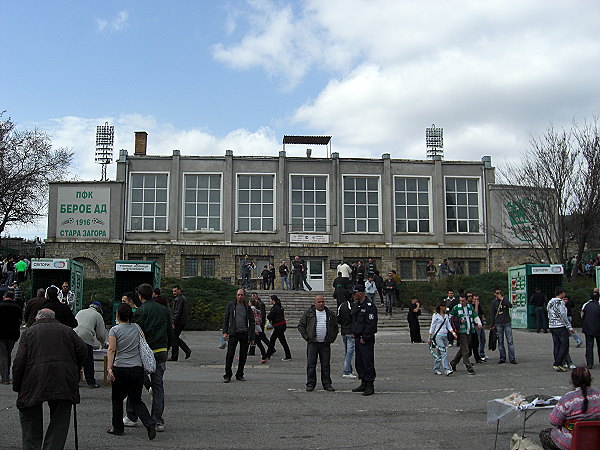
[
  {"x": 277, "y": 318},
  {"x": 438, "y": 339},
  {"x": 126, "y": 371}
]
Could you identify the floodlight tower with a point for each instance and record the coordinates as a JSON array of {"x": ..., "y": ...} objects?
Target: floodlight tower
[
  {"x": 434, "y": 140},
  {"x": 105, "y": 138}
]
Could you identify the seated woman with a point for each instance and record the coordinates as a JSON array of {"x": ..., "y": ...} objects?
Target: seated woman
[{"x": 581, "y": 404}]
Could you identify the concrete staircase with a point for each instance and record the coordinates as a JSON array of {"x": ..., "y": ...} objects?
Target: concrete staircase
[{"x": 296, "y": 302}]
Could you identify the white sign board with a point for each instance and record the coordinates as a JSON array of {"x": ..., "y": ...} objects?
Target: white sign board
[
  {"x": 552, "y": 269},
  {"x": 310, "y": 238},
  {"x": 133, "y": 267},
  {"x": 82, "y": 212},
  {"x": 50, "y": 264}
]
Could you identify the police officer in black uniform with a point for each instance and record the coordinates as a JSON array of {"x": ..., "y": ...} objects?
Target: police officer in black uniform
[{"x": 364, "y": 327}]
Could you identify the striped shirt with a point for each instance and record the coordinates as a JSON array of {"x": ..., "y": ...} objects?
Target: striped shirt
[{"x": 321, "y": 325}]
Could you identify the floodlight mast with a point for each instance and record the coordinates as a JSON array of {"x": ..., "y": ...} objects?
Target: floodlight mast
[
  {"x": 105, "y": 138},
  {"x": 434, "y": 141}
]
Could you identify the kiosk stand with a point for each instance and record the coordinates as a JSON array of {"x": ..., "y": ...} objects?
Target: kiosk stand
[
  {"x": 130, "y": 274},
  {"x": 523, "y": 280},
  {"x": 52, "y": 271}
]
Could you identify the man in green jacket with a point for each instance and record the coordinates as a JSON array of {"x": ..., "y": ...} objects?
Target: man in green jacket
[
  {"x": 155, "y": 321},
  {"x": 319, "y": 328},
  {"x": 465, "y": 322}
]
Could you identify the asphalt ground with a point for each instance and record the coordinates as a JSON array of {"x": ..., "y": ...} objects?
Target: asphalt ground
[{"x": 412, "y": 407}]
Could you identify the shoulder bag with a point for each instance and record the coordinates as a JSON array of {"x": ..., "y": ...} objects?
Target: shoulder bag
[{"x": 146, "y": 354}]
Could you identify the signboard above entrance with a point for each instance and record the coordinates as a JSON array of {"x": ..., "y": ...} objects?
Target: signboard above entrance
[
  {"x": 133, "y": 267},
  {"x": 310, "y": 238}
]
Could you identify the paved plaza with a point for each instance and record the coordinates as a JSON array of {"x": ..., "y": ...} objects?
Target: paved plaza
[{"x": 412, "y": 407}]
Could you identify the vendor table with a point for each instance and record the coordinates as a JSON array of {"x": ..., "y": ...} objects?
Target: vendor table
[
  {"x": 498, "y": 409},
  {"x": 101, "y": 355}
]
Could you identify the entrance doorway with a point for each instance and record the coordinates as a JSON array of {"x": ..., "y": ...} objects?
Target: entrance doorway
[{"x": 315, "y": 274}]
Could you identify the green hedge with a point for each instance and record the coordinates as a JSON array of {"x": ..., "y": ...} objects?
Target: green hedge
[{"x": 207, "y": 296}]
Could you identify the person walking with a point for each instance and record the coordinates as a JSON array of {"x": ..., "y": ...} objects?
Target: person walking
[
  {"x": 590, "y": 314},
  {"x": 90, "y": 328},
  {"x": 570, "y": 304},
  {"x": 364, "y": 328},
  {"x": 502, "y": 321},
  {"x": 319, "y": 328},
  {"x": 10, "y": 330},
  {"x": 126, "y": 372},
  {"x": 238, "y": 327},
  {"x": 181, "y": 314},
  {"x": 414, "y": 311},
  {"x": 277, "y": 318},
  {"x": 46, "y": 369},
  {"x": 438, "y": 339},
  {"x": 62, "y": 312},
  {"x": 32, "y": 306},
  {"x": 259, "y": 332},
  {"x": 466, "y": 323},
  {"x": 155, "y": 321},
  {"x": 344, "y": 318},
  {"x": 560, "y": 327}
]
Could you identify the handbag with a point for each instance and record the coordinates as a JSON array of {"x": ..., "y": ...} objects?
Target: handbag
[
  {"x": 493, "y": 339},
  {"x": 146, "y": 354}
]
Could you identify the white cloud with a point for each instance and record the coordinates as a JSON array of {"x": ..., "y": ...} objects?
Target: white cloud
[
  {"x": 491, "y": 73},
  {"x": 117, "y": 23}
]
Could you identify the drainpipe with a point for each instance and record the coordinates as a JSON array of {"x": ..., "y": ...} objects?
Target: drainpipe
[{"x": 487, "y": 164}]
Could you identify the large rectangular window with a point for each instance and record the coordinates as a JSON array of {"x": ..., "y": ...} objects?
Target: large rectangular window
[
  {"x": 462, "y": 205},
  {"x": 256, "y": 201},
  {"x": 411, "y": 196},
  {"x": 194, "y": 264},
  {"x": 361, "y": 204},
  {"x": 202, "y": 203},
  {"x": 309, "y": 203},
  {"x": 148, "y": 202}
]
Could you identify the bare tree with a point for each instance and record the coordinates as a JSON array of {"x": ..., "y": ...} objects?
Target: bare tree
[
  {"x": 27, "y": 164},
  {"x": 555, "y": 191}
]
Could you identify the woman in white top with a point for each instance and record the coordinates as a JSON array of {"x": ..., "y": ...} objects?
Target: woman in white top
[
  {"x": 438, "y": 339},
  {"x": 126, "y": 372}
]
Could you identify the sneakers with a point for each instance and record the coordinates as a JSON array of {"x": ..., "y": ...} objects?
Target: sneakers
[
  {"x": 513, "y": 361},
  {"x": 448, "y": 373},
  {"x": 348, "y": 375},
  {"x": 450, "y": 344},
  {"x": 160, "y": 427},
  {"x": 262, "y": 361},
  {"x": 572, "y": 366},
  {"x": 310, "y": 388},
  {"x": 329, "y": 389},
  {"x": 129, "y": 423},
  {"x": 286, "y": 359},
  {"x": 579, "y": 344},
  {"x": 240, "y": 378},
  {"x": 437, "y": 372},
  {"x": 560, "y": 368}
]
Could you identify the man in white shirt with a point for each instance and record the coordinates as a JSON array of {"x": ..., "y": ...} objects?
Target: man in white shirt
[{"x": 319, "y": 328}]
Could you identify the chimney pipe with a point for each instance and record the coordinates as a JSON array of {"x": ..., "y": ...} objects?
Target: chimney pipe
[{"x": 141, "y": 141}]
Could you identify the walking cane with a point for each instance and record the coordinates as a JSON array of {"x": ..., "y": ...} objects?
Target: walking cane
[{"x": 75, "y": 426}]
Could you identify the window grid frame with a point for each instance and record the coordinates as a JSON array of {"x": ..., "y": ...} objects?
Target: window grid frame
[
  {"x": 131, "y": 203},
  {"x": 343, "y": 204},
  {"x": 250, "y": 203},
  {"x": 429, "y": 206},
  {"x": 208, "y": 203},
  {"x": 302, "y": 204},
  {"x": 456, "y": 219}
]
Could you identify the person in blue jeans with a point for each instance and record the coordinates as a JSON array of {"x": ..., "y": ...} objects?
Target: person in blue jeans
[
  {"x": 501, "y": 320},
  {"x": 438, "y": 339},
  {"x": 344, "y": 317}
]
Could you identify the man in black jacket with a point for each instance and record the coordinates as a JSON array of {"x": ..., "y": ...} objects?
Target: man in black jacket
[
  {"x": 364, "y": 328},
  {"x": 181, "y": 312},
  {"x": 238, "y": 326},
  {"x": 538, "y": 299},
  {"x": 10, "y": 324},
  {"x": 319, "y": 328},
  {"x": 62, "y": 312},
  {"x": 344, "y": 317},
  {"x": 590, "y": 312}
]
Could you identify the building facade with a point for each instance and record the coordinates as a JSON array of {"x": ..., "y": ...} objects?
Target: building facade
[{"x": 199, "y": 215}]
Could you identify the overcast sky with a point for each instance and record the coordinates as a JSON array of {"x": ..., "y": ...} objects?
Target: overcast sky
[{"x": 206, "y": 76}]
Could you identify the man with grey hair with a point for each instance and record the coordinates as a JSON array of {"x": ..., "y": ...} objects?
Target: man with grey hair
[
  {"x": 46, "y": 369},
  {"x": 319, "y": 328}
]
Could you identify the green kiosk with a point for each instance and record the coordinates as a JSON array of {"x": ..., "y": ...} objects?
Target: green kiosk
[
  {"x": 53, "y": 271},
  {"x": 130, "y": 274},
  {"x": 523, "y": 280}
]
